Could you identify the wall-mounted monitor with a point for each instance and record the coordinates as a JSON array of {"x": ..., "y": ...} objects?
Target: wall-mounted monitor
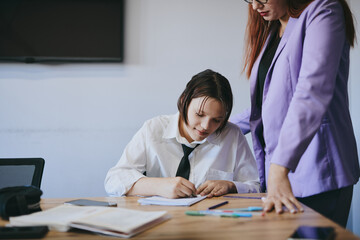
[{"x": 62, "y": 30}]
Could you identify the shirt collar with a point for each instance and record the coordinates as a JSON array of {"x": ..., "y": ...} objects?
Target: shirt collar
[{"x": 172, "y": 132}]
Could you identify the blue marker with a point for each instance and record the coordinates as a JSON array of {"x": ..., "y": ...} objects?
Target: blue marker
[
  {"x": 236, "y": 215},
  {"x": 217, "y": 213}
]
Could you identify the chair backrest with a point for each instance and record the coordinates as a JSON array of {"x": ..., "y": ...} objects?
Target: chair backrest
[{"x": 21, "y": 171}]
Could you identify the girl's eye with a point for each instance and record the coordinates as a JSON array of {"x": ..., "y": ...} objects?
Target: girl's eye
[
  {"x": 217, "y": 121},
  {"x": 199, "y": 114}
]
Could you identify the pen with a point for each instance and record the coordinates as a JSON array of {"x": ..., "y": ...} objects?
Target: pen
[{"x": 218, "y": 205}]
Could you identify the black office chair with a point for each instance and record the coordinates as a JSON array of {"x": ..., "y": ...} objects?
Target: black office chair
[{"x": 21, "y": 171}]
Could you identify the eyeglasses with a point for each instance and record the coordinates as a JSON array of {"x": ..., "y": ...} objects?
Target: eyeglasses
[{"x": 259, "y": 1}]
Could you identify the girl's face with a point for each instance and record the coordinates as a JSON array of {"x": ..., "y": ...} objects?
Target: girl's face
[
  {"x": 204, "y": 118},
  {"x": 272, "y": 10}
]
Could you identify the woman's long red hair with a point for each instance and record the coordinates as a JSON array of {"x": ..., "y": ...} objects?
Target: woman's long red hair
[{"x": 258, "y": 29}]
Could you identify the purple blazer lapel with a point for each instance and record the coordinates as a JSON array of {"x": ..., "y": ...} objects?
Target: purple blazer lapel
[
  {"x": 254, "y": 74},
  {"x": 282, "y": 44}
]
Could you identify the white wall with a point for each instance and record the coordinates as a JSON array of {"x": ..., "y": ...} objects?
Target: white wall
[
  {"x": 79, "y": 117},
  {"x": 354, "y": 88}
]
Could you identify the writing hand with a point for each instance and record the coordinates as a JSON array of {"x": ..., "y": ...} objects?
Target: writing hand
[{"x": 176, "y": 187}]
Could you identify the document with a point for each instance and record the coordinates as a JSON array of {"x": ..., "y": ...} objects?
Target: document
[
  {"x": 118, "y": 222},
  {"x": 157, "y": 200}
]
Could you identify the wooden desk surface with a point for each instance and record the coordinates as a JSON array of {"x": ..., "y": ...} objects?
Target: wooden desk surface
[{"x": 180, "y": 226}]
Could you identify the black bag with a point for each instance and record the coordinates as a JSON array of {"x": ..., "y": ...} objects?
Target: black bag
[{"x": 15, "y": 201}]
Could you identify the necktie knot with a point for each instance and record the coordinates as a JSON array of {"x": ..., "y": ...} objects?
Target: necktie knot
[
  {"x": 184, "y": 166},
  {"x": 187, "y": 150}
]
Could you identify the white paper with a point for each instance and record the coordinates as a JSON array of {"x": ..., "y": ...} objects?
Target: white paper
[{"x": 157, "y": 200}]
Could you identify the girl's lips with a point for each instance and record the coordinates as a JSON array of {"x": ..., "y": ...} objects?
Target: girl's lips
[
  {"x": 263, "y": 13},
  {"x": 202, "y": 133}
]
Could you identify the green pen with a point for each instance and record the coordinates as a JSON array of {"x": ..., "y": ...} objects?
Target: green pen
[{"x": 194, "y": 213}]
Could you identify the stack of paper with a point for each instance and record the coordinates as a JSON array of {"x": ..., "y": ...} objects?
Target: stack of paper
[
  {"x": 156, "y": 200},
  {"x": 118, "y": 222}
]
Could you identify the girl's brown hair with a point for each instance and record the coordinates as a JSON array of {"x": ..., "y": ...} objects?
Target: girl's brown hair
[
  {"x": 208, "y": 84},
  {"x": 258, "y": 29}
]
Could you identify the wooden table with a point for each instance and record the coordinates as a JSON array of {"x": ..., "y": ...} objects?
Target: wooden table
[{"x": 180, "y": 226}]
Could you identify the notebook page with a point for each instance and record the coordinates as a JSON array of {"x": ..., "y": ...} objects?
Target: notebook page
[
  {"x": 120, "y": 219},
  {"x": 157, "y": 200}
]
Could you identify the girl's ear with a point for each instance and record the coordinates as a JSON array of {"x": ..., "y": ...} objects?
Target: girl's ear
[{"x": 182, "y": 99}]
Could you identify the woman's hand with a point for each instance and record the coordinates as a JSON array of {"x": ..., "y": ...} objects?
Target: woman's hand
[
  {"x": 279, "y": 191},
  {"x": 215, "y": 188},
  {"x": 174, "y": 187}
]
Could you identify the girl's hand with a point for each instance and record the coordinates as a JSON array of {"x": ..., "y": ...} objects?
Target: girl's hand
[
  {"x": 174, "y": 187},
  {"x": 279, "y": 191},
  {"x": 215, "y": 188}
]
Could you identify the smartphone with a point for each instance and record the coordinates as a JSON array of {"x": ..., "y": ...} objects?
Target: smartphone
[
  {"x": 312, "y": 232},
  {"x": 87, "y": 202},
  {"x": 23, "y": 232}
]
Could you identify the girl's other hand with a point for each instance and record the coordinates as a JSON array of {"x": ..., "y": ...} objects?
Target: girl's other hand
[{"x": 215, "y": 188}]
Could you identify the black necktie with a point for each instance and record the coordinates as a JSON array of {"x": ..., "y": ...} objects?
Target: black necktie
[{"x": 184, "y": 166}]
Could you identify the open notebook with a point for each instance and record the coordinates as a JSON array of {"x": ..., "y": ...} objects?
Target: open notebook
[
  {"x": 157, "y": 200},
  {"x": 118, "y": 222}
]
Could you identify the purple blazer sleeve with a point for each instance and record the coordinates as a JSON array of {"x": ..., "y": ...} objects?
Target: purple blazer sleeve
[
  {"x": 242, "y": 121},
  {"x": 322, "y": 48}
]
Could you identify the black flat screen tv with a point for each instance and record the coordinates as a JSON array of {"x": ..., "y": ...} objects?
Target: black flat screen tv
[{"x": 62, "y": 30}]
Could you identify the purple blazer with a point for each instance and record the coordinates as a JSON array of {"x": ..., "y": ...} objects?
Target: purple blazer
[{"x": 305, "y": 113}]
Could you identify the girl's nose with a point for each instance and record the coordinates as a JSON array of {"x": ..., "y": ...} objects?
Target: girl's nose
[{"x": 205, "y": 124}]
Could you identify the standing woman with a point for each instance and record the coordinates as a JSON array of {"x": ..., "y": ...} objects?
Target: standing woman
[{"x": 297, "y": 60}]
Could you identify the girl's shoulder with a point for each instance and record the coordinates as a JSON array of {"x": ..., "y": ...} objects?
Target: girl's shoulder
[
  {"x": 232, "y": 126},
  {"x": 161, "y": 121},
  {"x": 231, "y": 130}
]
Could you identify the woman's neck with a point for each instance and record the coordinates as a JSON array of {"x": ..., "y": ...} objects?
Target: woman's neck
[{"x": 283, "y": 22}]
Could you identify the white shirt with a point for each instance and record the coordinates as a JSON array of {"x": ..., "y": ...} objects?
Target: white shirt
[{"x": 156, "y": 149}]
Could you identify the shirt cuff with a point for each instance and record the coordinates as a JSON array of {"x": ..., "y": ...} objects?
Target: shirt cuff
[{"x": 253, "y": 187}]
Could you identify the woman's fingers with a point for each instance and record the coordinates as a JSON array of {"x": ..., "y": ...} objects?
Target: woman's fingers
[
  {"x": 268, "y": 205},
  {"x": 291, "y": 203},
  {"x": 297, "y": 204}
]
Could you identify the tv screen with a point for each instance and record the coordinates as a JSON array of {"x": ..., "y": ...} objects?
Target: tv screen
[{"x": 61, "y": 30}]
